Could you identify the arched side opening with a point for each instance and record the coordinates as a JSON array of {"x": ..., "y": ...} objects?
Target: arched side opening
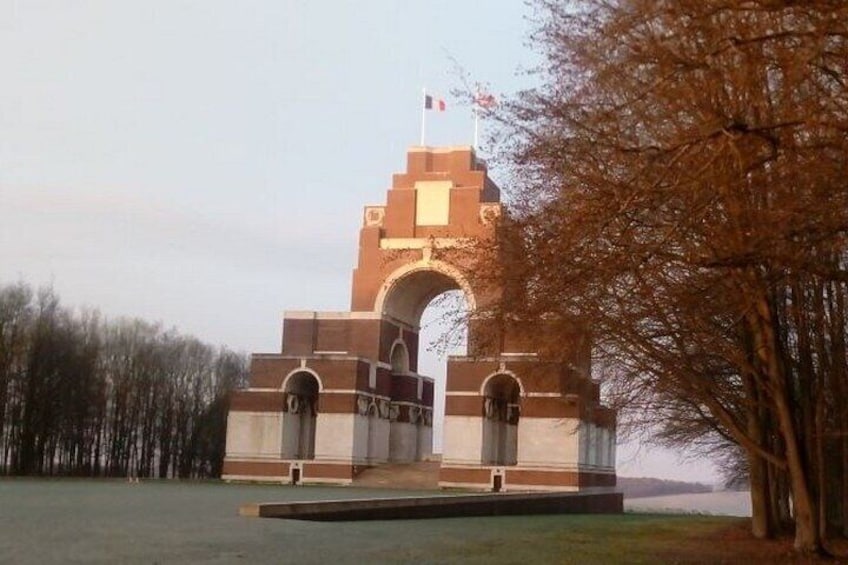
[
  {"x": 501, "y": 412},
  {"x": 399, "y": 358},
  {"x": 301, "y": 415},
  {"x": 405, "y": 400},
  {"x": 374, "y": 451},
  {"x": 403, "y": 435}
]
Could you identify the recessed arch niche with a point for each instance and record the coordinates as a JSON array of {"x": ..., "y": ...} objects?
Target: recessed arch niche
[
  {"x": 501, "y": 412},
  {"x": 300, "y": 417}
]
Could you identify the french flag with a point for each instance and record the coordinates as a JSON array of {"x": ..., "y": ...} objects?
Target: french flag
[{"x": 431, "y": 103}]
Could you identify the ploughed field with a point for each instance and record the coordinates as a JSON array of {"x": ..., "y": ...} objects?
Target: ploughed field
[{"x": 104, "y": 521}]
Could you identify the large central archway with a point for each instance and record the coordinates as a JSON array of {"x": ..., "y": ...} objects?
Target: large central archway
[
  {"x": 409, "y": 290},
  {"x": 405, "y": 296}
]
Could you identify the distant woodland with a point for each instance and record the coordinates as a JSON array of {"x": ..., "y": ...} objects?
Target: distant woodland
[
  {"x": 85, "y": 396},
  {"x": 639, "y": 487}
]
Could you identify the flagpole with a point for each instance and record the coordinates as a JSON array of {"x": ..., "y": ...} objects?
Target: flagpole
[
  {"x": 482, "y": 101},
  {"x": 476, "y": 125},
  {"x": 423, "y": 114}
]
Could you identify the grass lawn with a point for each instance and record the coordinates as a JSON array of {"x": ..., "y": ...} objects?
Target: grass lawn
[{"x": 99, "y": 521}]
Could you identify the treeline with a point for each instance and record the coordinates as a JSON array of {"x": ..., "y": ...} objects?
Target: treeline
[
  {"x": 640, "y": 487},
  {"x": 83, "y": 396}
]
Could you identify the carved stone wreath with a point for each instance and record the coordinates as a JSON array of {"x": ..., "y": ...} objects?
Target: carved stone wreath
[
  {"x": 383, "y": 408},
  {"x": 362, "y": 405}
]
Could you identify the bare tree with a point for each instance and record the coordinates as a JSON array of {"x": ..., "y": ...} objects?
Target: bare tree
[{"x": 682, "y": 192}]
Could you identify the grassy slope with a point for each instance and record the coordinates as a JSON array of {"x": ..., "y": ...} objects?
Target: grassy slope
[{"x": 66, "y": 521}]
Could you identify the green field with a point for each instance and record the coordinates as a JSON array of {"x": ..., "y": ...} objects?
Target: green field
[{"x": 90, "y": 521}]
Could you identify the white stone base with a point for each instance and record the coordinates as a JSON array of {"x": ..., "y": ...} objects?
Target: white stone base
[
  {"x": 548, "y": 442},
  {"x": 403, "y": 442},
  {"x": 254, "y": 434},
  {"x": 463, "y": 437}
]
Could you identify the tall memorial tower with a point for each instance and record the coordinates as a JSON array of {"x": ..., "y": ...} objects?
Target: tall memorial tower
[{"x": 345, "y": 393}]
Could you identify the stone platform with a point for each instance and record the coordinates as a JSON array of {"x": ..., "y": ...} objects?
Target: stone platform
[{"x": 440, "y": 506}]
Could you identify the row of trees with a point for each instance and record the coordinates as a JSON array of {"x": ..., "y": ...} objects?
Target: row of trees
[
  {"x": 682, "y": 172},
  {"x": 83, "y": 396}
]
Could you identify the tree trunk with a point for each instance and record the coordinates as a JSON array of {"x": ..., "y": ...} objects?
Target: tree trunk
[
  {"x": 762, "y": 524},
  {"x": 807, "y": 538},
  {"x": 761, "y": 514}
]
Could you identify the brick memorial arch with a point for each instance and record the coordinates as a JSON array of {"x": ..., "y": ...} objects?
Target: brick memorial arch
[{"x": 345, "y": 394}]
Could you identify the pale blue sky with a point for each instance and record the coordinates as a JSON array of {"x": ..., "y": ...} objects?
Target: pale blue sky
[{"x": 205, "y": 163}]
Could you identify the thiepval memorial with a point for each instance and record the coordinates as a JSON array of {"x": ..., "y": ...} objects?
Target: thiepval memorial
[{"x": 345, "y": 394}]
